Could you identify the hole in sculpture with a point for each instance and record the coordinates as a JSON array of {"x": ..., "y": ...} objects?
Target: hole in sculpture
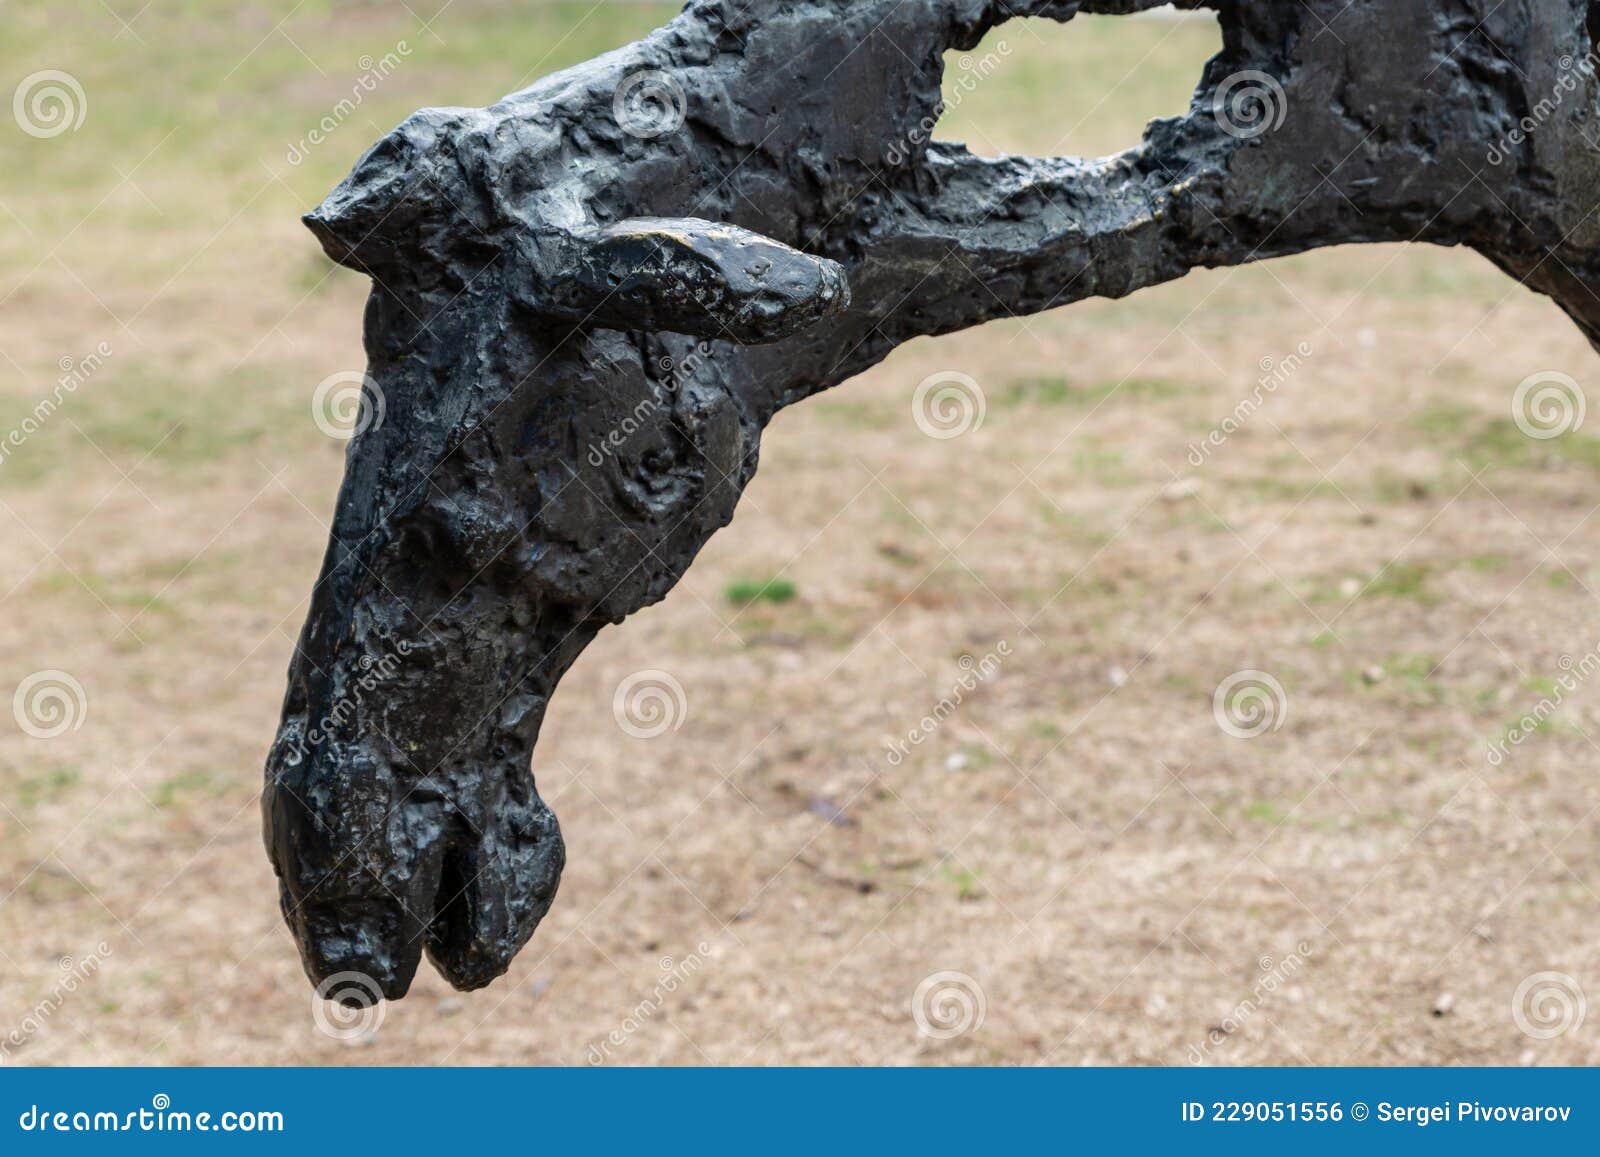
[{"x": 1038, "y": 87}]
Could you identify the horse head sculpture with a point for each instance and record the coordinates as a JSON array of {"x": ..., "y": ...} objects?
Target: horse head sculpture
[{"x": 589, "y": 299}]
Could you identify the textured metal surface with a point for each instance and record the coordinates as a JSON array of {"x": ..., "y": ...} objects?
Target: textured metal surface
[{"x": 590, "y": 298}]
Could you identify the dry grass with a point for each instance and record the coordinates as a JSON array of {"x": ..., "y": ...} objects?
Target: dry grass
[{"x": 1080, "y": 836}]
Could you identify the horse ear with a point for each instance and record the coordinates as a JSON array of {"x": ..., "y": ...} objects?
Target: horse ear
[
  {"x": 685, "y": 275},
  {"x": 369, "y": 221}
]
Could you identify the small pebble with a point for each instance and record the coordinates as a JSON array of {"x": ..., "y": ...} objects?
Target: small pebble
[
  {"x": 1118, "y": 677},
  {"x": 956, "y": 762},
  {"x": 1372, "y": 676},
  {"x": 1443, "y": 1005},
  {"x": 1181, "y": 489}
]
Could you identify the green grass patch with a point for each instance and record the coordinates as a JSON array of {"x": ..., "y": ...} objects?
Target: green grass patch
[
  {"x": 1264, "y": 811},
  {"x": 1406, "y": 677},
  {"x": 45, "y": 787},
  {"x": 1397, "y": 580},
  {"x": 1396, "y": 490},
  {"x": 1559, "y": 578},
  {"x": 1401, "y": 580},
  {"x": 774, "y": 591},
  {"x": 177, "y": 790},
  {"x": 1109, "y": 467},
  {"x": 1482, "y": 440},
  {"x": 1488, "y": 563},
  {"x": 964, "y": 881},
  {"x": 141, "y": 589},
  {"x": 1058, "y": 391}
]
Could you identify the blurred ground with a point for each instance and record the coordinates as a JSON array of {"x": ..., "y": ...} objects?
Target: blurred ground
[{"x": 1119, "y": 878}]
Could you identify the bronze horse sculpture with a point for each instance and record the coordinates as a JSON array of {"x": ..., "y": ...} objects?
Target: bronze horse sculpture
[{"x": 589, "y": 299}]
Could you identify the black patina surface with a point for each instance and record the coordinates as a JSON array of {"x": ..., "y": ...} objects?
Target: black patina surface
[{"x": 543, "y": 277}]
